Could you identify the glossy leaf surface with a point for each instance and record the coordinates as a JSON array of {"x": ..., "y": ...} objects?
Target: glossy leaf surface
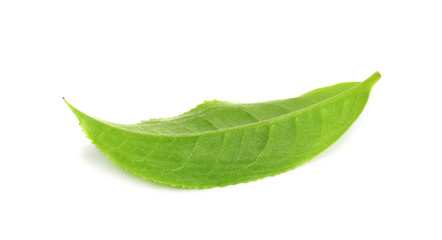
[{"x": 221, "y": 143}]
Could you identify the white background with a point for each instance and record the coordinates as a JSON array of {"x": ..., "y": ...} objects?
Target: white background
[{"x": 126, "y": 61}]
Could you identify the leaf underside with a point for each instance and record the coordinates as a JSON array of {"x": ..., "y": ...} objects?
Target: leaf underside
[{"x": 221, "y": 143}]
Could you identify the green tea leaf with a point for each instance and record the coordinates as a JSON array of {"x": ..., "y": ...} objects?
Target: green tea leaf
[{"x": 221, "y": 143}]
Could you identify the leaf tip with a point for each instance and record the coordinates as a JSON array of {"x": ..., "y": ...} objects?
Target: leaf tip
[
  {"x": 373, "y": 79},
  {"x": 77, "y": 112},
  {"x": 64, "y": 99},
  {"x": 70, "y": 106}
]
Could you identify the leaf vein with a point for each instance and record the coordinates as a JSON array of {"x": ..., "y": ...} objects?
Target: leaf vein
[
  {"x": 211, "y": 123},
  {"x": 188, "y": 157},
  {"x": 263, "y": 149},
  {"x": 250, "y": 114},
  {"x": 219, "y": 154}
]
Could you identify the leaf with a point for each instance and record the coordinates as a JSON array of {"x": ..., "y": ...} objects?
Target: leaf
[{"x": 221, "y": 143}]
